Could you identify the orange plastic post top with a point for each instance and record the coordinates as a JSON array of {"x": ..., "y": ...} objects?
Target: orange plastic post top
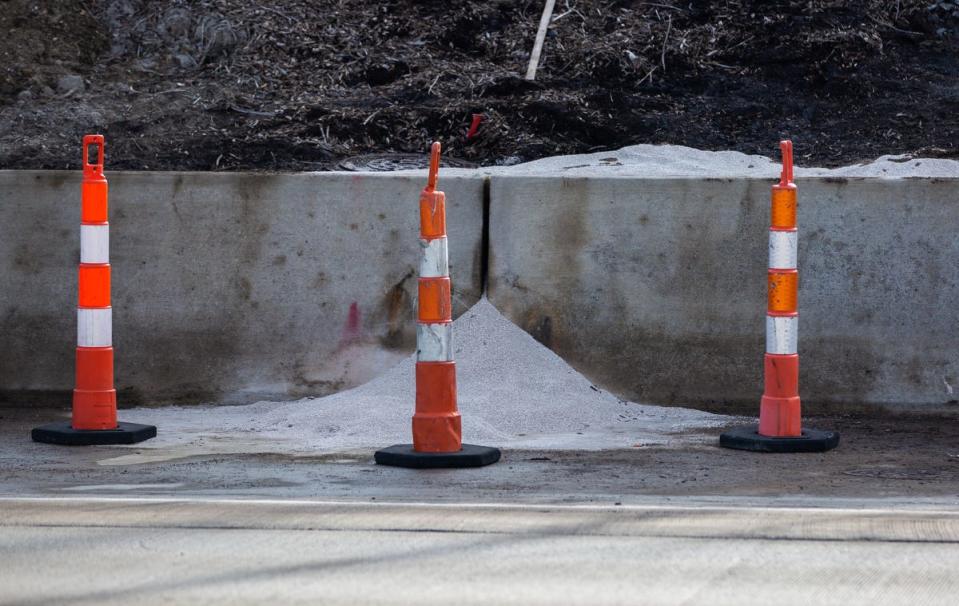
[
  {"x": 93, "y": 205},
  {"x": 432, "y": 202},
  {"x": 93, "y": 170},
  {"x": 783, "y": 215},
  {"x": 434, "y": 165},
  {"x": 786, "y": 147}
]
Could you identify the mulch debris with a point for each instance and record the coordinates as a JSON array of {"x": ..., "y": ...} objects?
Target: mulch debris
[{"x": 320, "y": 84}]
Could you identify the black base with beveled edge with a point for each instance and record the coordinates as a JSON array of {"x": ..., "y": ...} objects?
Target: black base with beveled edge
[
  {"x": 403, "y": 455},
  {"x": 64, "y": 433},
  {"x": 748, "y": 438}
]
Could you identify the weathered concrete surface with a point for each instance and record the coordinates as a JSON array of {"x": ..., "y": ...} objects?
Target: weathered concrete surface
[
  {"x": 901, "y": 460},
  {"x": 147, "y": 551},
  {"x": 874, "y": 521},
  {"x": 237, "y": 287},
  {"x": 655, "y": 288},
  {"x": 226, "y": 287}
]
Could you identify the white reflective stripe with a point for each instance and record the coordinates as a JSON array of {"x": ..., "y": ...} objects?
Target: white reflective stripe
[
  {"x": 782, "y": 249},
  {"x": 95, "y": 327},
  {"x": 94, "y": 244},
  {"x": 782, "y": 334},
  {"x": 434, "y": 342},
  {"x": 435, "y": 261}
]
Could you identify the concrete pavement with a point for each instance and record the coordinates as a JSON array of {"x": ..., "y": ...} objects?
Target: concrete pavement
[
  {"x": 872, "y": 522},
  {"x": 161, "y": 551}
]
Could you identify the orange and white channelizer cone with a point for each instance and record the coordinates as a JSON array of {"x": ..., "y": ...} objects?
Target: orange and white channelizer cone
[
  {"x": 780, "y": 420},
  {"x": 437, "y": 434},
  {"x": 94, "y": 397}
]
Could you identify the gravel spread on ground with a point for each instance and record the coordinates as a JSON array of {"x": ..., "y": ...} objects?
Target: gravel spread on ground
[{"x": 513, "y": 393}]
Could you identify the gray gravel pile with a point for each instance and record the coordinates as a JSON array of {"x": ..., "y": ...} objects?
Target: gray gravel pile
[
  {"x": 677, "y": 161},
  {"x": 513, "y": 392}
]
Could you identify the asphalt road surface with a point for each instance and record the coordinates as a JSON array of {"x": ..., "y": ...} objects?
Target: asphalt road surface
[
  {"x": 195, "y": 551},
  {"x": 874, "y": 522}
]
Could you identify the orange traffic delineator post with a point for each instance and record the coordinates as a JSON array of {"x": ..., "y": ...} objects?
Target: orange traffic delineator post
[
  {"x": 780, "y": 420},
  {"x": 94, "y": 397},
  {"x": 437, "y": 433}
]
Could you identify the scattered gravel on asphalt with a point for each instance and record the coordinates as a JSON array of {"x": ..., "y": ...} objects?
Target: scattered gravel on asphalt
[{"x": 513, "y": 392}]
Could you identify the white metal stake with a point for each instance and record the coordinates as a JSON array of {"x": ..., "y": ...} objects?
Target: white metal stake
[{"x": 540, "y": 37}]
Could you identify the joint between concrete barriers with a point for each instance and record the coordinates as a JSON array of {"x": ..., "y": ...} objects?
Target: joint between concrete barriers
[{"x": 484, "y": 238}]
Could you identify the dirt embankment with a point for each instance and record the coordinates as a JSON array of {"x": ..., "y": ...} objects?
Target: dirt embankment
[{"x": 302, "y": 85}]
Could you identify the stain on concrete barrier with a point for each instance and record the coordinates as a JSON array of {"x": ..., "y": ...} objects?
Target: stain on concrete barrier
[
  {"x": 227, "y": 287},
  {"x": 655, "y": 287},
  {"x": 236, "y": 287}
]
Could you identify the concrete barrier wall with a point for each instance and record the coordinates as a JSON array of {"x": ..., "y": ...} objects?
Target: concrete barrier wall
[
  {"x": 655, "y": 288},
  {"x": 235, "y": 287},
  {"x": 231, "y": 287}
]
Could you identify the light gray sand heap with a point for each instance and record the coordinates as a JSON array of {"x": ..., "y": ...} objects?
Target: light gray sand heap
[
  {"x": 513, "y": 392},
  {"x": 676, "y": 161},
  {"x": 672, "y": 161}
]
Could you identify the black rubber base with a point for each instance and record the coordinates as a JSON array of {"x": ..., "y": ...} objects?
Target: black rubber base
[
  {"x": 64, "y": 433},
  {"x": 748, "y": 438},
  {"x": 403, "y": 455}
]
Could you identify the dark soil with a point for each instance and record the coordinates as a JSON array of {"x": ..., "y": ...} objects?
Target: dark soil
[{"x": 306, "y": 84}]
